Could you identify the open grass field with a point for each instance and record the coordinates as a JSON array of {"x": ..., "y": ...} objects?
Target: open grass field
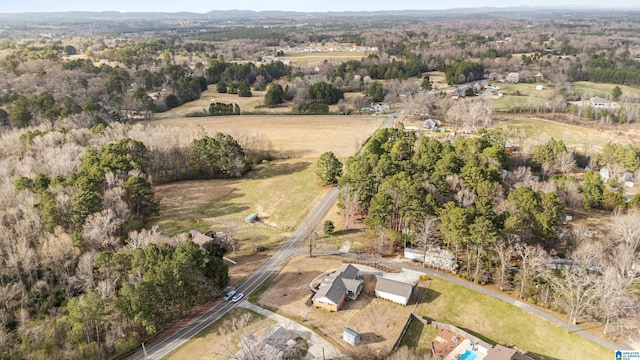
[
  {"x": 279, "y": 192},
  {"x": 293, "y": 136},
  {"x": 498, "y": 322},
  {"x": 220, "y": 340},
  {"x": 604, "y": 90},
  {"x": 527, "y": 132},
  {"x": 246, "y": 104},
  {"x": 317, "y": 58}
]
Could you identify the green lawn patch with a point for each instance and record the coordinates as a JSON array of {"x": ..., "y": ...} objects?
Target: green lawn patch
[
  {"x": 418, "y": 337},
  {"x": 604, "y": 90},
  {"x": 280, "y": 192},
  {"x": 537, "y": 131},
  {"x": 498, "y": 322}
]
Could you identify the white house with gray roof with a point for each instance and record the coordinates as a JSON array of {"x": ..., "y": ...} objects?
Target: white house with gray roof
[{"x": 337, "y": 287}]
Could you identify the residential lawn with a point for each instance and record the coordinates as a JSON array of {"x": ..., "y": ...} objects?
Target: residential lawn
[
  {"x": 511, "y": 102},
  {"x": 418, "y": 337},
  {"x": 498, "y": 322},
  {"x": 220, "y": 340}
]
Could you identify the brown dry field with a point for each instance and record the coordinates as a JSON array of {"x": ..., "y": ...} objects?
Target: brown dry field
[
  {"x": 379, "y": 322},
  {"x": 292, "y": 136}
]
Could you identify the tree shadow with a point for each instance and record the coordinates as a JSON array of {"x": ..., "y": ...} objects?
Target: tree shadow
[
  {"x": 429, "y": 295},
  {"x": 274, "y": 169},
  {"x": 534, "y": 355},
  {"x": 348, "y": 232},
  {"x": 480, "y": 336},
  {"x": 370, "y": 338}
]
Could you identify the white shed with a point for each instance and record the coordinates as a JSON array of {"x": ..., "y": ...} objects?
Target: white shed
[
  {"x": 392, "y": 290},
  {"x": 351, "y": 336}
]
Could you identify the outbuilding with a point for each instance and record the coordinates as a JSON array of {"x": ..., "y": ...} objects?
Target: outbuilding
[
  {"x": 350, "y": 336},
  {"x": 395, "y": 291}
]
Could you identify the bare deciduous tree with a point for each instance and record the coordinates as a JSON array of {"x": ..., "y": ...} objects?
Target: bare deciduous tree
[{"x": 532, "y": 260}]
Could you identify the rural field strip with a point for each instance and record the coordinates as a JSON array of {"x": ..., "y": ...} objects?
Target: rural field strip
[
  {"x": 288, "y": 249},
  {"x": 446, "y": 277}
]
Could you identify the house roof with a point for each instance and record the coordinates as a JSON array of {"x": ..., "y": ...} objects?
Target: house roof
[
  {"x": 351, "y": 332},
  {"x": 198, "y": 237},
  {"x": 599, "y": 100},
  {"x": 331, "y": 293},
  {"x": 336, "y": 286},
  {"x": 500, "y": 352},
  {"x": 392, "y": 286}
]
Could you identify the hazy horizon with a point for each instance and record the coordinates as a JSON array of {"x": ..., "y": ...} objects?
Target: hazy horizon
[{"x": 287, "y": 5}]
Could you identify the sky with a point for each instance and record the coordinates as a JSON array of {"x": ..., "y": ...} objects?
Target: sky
[{"x": 200, "y": 6}]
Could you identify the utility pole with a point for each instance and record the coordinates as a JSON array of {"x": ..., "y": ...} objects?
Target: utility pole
[{"x": 144, "y": 351}]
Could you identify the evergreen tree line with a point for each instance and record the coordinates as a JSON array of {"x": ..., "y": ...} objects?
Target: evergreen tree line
[
  {"x": 396, "y": 69},
  {"x": 220, "y": 109},
  {"x": 603, "y": 69}
]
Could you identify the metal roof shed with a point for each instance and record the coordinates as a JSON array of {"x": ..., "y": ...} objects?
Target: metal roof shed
[{"x": 351, "y": 336}]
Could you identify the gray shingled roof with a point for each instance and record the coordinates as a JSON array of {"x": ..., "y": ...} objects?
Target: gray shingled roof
[
  {"x": 336, "y": 286},
  {"x": 392, "y": 286}
]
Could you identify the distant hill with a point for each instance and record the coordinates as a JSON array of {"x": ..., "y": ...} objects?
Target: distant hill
[{"x": 502, "y": 12}]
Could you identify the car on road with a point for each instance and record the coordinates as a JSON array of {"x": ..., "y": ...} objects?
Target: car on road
[
  {"x": 229, "y": 295},
  {"x": 237, "y": 297}
]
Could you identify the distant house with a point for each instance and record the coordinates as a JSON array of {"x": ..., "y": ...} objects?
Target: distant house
[
  {"x": 556, "y": 263},
  {"x": 508, "y": 146},
  {"x": 198, "y": 237},
  {"x": 539, "y": 77},
  {"x": 337, "y": 287},
  {"x": 500, "y": 352},
  {"x": 598, "y": 102},
  {"x": 539, "y": 87},
  {"x": 394, "y": 291},
  {"x": 604, "y": 174},
  {"x": 431, "y": 124},
  {"x": 458, "y": 93},
  {"x": 627, "y": 176},
  {"x": 251, "y": 218},
  {"x": 351, "y": 337}
]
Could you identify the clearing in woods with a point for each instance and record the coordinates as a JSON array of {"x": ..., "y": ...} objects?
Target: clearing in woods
[{"x": 292, "y": 136}]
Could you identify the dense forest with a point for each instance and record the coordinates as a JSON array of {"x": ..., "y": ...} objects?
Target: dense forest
[
  {"x": 472, "y": 208},
  {"x": 81, "y": 276}
]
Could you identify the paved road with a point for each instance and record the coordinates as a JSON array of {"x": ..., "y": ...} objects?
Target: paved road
[
  {"x": 456, "y": 280},
  {"x": 288, "y": 249}
]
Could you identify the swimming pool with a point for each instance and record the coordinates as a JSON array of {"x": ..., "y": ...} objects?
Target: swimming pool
[{"x": 468, "y": 355}]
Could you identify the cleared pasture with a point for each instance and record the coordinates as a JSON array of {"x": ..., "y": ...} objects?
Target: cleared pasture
[{"x": 292, "y": 136}]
